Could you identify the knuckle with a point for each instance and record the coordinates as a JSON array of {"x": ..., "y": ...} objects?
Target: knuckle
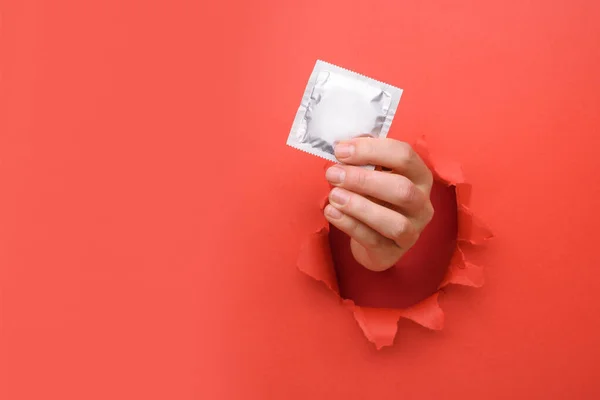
[
  {"x": 400, "y": 230},
  {"x": 361, "y": 179},
  {"x": 405, "y": 152},
  {"x": 406, "y": 191},
  {"x": 429, "y": 212},
  {"x": 429, "y": 178}
]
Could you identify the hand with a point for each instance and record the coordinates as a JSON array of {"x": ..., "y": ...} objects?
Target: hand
[{"x": 383, "y": 212}]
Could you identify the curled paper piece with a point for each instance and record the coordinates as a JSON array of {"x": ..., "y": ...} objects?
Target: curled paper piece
[
  {"x": 470, "y": 228},
  {"x": 380, "y": 325},
  {"x": 315, "y": 260}
]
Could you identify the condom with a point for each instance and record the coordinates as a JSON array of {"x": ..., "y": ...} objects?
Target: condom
[{"x": 339, "y": 104}]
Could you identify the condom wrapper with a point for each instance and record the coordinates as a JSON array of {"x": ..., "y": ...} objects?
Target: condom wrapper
[{"x": 339, "y": 104}]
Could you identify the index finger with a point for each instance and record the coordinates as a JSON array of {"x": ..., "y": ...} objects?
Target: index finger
[{"x": 394, "y": 154}]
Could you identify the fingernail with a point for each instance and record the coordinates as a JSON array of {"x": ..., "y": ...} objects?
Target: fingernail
[
  {"x": 333, "y": 212},
  {"x": 344, "y": 150},
  {"x": 339, "y": 196},
  {"x": 335, "y": 174}
]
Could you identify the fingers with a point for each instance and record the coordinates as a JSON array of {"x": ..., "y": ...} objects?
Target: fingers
[
  {"x": 381, "y": 233},
  {"x": 398, "y": 156},
  {"x": 355, "y": 229},
  {"x": 394, "y": 189},
  {"x": 379, "y": 252},
  {"x": 389, "y": 223}
]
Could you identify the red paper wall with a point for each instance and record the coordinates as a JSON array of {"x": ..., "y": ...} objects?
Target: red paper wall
[{"x": 151, "y": 215}]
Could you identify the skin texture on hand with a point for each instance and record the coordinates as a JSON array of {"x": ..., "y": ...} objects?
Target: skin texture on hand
[{"x": 383, "y": 212}]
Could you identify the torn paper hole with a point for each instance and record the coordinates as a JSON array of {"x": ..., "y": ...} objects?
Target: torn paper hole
[{"x": 378, "y": 320}]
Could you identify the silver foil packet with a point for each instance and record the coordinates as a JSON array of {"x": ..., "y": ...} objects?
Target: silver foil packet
[{"x": 339, "y": 105}]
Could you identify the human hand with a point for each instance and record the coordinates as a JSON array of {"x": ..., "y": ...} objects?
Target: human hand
[{"x": 382, "y": 212}]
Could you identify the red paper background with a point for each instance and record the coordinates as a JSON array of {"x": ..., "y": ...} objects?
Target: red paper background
[{"x": 151, "y": 215}]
